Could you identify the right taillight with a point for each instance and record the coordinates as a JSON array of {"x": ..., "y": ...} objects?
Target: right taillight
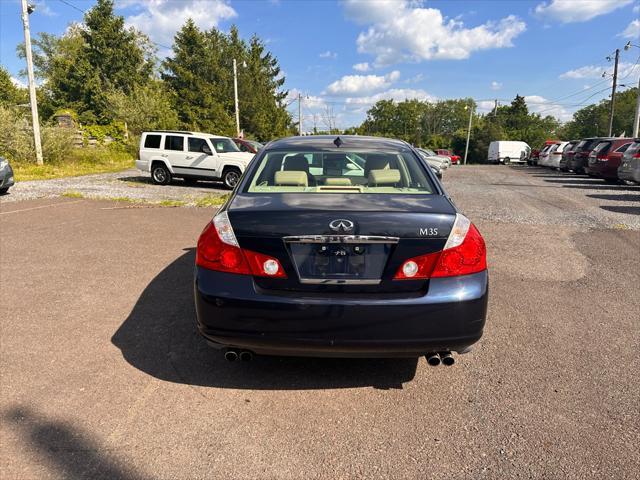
[
  {"x": 218, "y": 250},
  {"x": 464, "y": 253}
]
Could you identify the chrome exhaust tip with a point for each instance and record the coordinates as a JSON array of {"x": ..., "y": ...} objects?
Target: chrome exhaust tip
[
  {"x": 246, "y": 356},
  {"x": 230, "y": 355},
  {"x": 433, "y": 359},
  {"x": 447, "y": 358}
]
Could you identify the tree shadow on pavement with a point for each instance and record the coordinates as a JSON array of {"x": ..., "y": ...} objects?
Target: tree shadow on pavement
[
  {"x": 159, "y": 337},
  {"x": 67, "y": 450}
]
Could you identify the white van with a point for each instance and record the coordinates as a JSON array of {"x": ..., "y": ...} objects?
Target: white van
[
  {"x": 508, "y": 152},
  {"x": 191, "y": 156}
]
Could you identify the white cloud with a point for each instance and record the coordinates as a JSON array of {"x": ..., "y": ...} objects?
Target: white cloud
[
  {"x": 359, "y": 85},
  {"x": 544, "y": 107},
  {"x": 328, "y": 54},
  {"x": 397, "y": 94},
  {"x": 632, "y": 31},
  {"x": 362, "y": 67},
  {"x": 401, "y": 31},
  {"x": 625, "y": 69},
  {"x": 636, "y": 9},
  {"x": 308, "y": 101},
  {"x": 161, "y": 19},
  {"x": 415, "y": 79},
  {"x": 43, "y": 9},
  {"x": 18, "y": 83},
  {"x": 568, "y": 11},
  {"x": 485, "y": 105},
  {"x": 496, "y": 85}
]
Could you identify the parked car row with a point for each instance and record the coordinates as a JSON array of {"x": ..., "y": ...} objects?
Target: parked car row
[
  {"x": 613, "y": 159},
  {"x": 194, "y": 156}
]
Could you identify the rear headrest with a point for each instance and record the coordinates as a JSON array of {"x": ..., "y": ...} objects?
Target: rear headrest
[
  {"x": 297, "y": 162},
  {"x": 383, "y": 177},
  {"x": 376, "y": 161},
  {"x": 291, "y": 178}
]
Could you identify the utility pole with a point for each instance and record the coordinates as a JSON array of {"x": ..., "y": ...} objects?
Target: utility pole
[
  {"x": 299, "y": 114},
  {"x": 636, "y": 119},
  {"x": 613, "y": 91},
  {"x": 235, "y": 92},
  {"x": 26, "y": 10},
  {"x": 466, "y": 149}
]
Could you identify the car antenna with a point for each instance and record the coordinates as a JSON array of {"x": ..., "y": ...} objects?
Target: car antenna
[{"x": 337, "y": 142}]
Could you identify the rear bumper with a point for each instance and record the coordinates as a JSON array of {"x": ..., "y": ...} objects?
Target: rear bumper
[
  {"x": 6, "y": 177},
  {"x": 142, "y": 165},
  {"x": 603, "y": 170},
  {"x": 232, "y": 311}
]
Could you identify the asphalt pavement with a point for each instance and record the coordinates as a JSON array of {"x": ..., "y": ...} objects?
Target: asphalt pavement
[{"x": 104, "y": 376}]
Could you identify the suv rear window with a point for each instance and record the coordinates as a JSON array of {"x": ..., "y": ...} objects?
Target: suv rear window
[
  {"x": 633, "y": 149},
  {"x": 601, "y": 148},
  {"x": 152, "y": 141},
  {"x": 340, "y": 172},
  {"x": 173, "y": 142}
]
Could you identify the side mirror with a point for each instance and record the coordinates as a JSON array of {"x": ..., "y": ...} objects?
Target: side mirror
[{"x": 207, "y": 150}]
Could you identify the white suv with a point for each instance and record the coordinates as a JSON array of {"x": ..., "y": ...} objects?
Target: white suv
[{"x": 191, "y": 156}]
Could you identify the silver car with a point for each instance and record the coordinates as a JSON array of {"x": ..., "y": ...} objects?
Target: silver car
[
  {"x": 6, "y": 176},
  {"x": 629, "y": 168}
]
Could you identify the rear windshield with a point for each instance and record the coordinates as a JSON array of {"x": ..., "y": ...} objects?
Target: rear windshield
[
  {"x": 340, "y": 172},
  {"x": 585, "y": 145},
  {"x": 632, "y": 150},
  {"x": 602, "y": 147}
]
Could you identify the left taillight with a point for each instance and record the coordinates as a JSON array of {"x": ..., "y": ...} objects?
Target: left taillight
[
  {"x": 218, "y": 249},
  {"x": 464, "y": 253}
]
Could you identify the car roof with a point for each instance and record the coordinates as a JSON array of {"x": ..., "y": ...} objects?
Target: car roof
[
  {"x": 186, "y": 132},
  {"x": 329, "y": 142}
]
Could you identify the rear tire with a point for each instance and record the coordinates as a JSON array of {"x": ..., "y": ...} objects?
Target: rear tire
[
  {"x": 3, "y": 191},
  {"x": 160, "y": 174},
  {"x": 230, "y": 177},
  {"x": 507, "y": 161}
]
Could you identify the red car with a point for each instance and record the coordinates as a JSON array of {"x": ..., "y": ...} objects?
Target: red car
[
  {"x": 606, "y": 157},
  {"x": 249, "y": 146},
  {"x": 455, "y": 159}
]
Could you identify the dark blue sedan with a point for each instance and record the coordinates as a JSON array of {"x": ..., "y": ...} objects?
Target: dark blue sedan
[{"x": 340, "y": 246}]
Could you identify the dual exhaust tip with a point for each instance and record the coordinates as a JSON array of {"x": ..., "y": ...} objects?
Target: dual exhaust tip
[
  {"x": 436, "y": 358},
  {"x": 242, "y": 355}
]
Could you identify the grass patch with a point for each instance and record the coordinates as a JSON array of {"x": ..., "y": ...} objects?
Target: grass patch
[
  {"x": 210, "y": 200},
  {"x": 172, "y": 203},
  {"x": 81, "y": 161},
  {"x": 72, "y": 194}
]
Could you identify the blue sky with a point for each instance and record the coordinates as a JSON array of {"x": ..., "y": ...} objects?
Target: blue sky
[{"x": 345, "y": 55}]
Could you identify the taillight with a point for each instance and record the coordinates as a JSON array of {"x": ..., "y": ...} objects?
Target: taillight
[
  {"x": 464, "y": 253},
  {"x": 218, "y": 250},
  {"x": 602, "y": 158}
]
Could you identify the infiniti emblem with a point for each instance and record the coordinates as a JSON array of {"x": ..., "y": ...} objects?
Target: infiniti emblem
[{"x": 341, "y": 225}]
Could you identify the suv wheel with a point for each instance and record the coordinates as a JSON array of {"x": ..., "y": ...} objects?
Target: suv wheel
[
  {"x": 160, "y": 175},
  {"x": 230, "y": 177}
]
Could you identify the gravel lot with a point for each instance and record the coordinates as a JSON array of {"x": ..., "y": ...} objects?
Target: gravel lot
[
  {"x": 104, "y": 376},
  {"x": 131, "y": 184}
]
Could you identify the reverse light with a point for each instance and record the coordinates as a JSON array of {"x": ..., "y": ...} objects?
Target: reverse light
[
  {"x": 464, "y": 253},
  {"x": 218, "y": 250}
]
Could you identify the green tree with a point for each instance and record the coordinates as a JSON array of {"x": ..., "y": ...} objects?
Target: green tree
[
  {"x": 196, "y": 80},
  {"x": 146, "y": 107},
  {"x": 89, "y": 61},
  {"x": 10, "y": 94}
]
